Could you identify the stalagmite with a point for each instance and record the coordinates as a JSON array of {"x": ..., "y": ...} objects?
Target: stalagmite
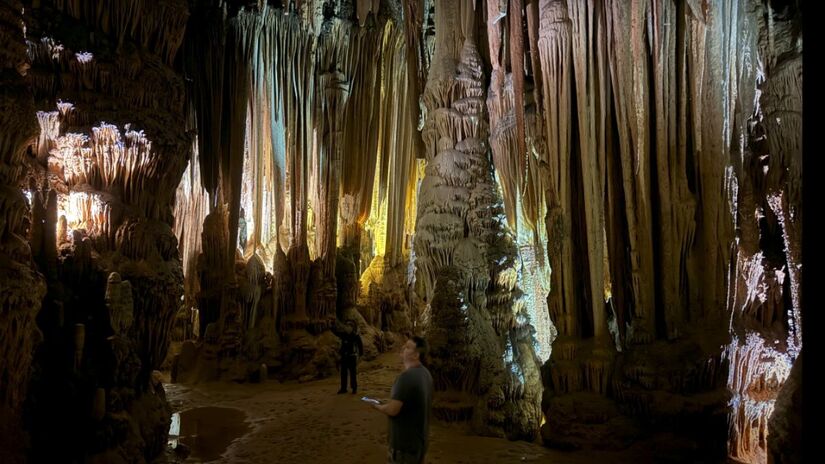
[
  {"x": 517, "y": 162},
  {"x": 464, "y": 260},
  {"x": 119, "y": 302}
]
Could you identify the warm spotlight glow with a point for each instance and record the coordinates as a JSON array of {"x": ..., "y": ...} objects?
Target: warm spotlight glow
[{"x": 83, "y": 211}]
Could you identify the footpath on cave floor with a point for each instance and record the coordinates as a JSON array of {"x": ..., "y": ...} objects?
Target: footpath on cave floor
[{"x": 308, "y": 422}]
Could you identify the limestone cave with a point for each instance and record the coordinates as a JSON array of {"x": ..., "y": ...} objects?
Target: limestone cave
[{"x": 590, "y": 209}]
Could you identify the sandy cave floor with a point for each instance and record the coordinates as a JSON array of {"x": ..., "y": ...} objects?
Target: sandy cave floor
[{"x": 309, "y": 423}]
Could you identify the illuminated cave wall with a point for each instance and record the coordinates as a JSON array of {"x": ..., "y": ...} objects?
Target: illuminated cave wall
[
  {"x": 300, "y": 138},
  {"x": 765, "y": 292},
  {"x": 673, "y": 208},
  {"x": 101, "y": 180}
]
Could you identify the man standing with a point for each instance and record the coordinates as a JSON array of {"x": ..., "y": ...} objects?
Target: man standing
[
  {"x": 351, "y": 348},
  {"x": 409, "y": 408}
]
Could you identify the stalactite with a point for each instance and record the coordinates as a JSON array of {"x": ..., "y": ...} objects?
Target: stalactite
[
  {"x": 207, "y": 67},
  {"x": 360, "y": 141},
  {"x": 676, "y": 207},
  {"x": 531, "y": 9},
  {"x": 160, "y": 26},
  {"x": 280, "y": 135},
  {"x": 334, "y": 90},
  {"x": 191, "y": 206},
  {"x": 660, "y": 169},
  {"x": 516, "y": 47},
  {"x": 783, "y": 123},
  {"x": 237, "y": 88},
  {"x": 298, "y": 105},
  {"x": 262, "y": 172},
  {"x": 632, "y": 122},
  {"x": 416, "y": 54},
  {"x": 522, "y": 187},
  {"x": 504, "y": 142},
  {"x": 554, "y": 51},
  {"x": 589, "y": 54},
  {"x": 392, "y": 210},
  {"x": 365, "y": 7}
]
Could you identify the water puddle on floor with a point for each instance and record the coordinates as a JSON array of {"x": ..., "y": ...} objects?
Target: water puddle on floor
[{"x": 207, "y": 431}]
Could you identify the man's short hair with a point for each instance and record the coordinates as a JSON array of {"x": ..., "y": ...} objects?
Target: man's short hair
[
  {"x": 422, "y": 347},
  {"x": 353, "y": 325}
]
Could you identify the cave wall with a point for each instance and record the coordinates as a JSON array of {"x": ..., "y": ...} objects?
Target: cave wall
[
  {"x": 22, "y": 287},
  {"x": 301, "y": 140},
  {"x": 625, "y": 164},
  {"x": 102, "y": 177},
  {"x": 640, "y": 304},
  {"x": 765, "y": 284},
  {"x": 673, "y": 210}
]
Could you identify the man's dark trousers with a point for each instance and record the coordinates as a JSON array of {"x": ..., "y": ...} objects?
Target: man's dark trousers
[{"x": 348, "y": 364}]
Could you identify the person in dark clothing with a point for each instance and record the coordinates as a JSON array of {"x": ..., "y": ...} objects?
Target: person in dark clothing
[
  {"x": 351, "y": 349},
  {"x": 409, "y": 408}
]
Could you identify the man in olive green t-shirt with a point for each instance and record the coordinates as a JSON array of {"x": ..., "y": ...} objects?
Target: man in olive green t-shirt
[{"x": 409, "y": 408}]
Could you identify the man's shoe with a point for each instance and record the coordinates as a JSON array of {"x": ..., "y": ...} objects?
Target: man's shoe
[{"x": 341, "y": 391}]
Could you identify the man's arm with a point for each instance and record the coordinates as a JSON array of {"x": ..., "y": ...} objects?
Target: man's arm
[{"x": 390, "y": 408}]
